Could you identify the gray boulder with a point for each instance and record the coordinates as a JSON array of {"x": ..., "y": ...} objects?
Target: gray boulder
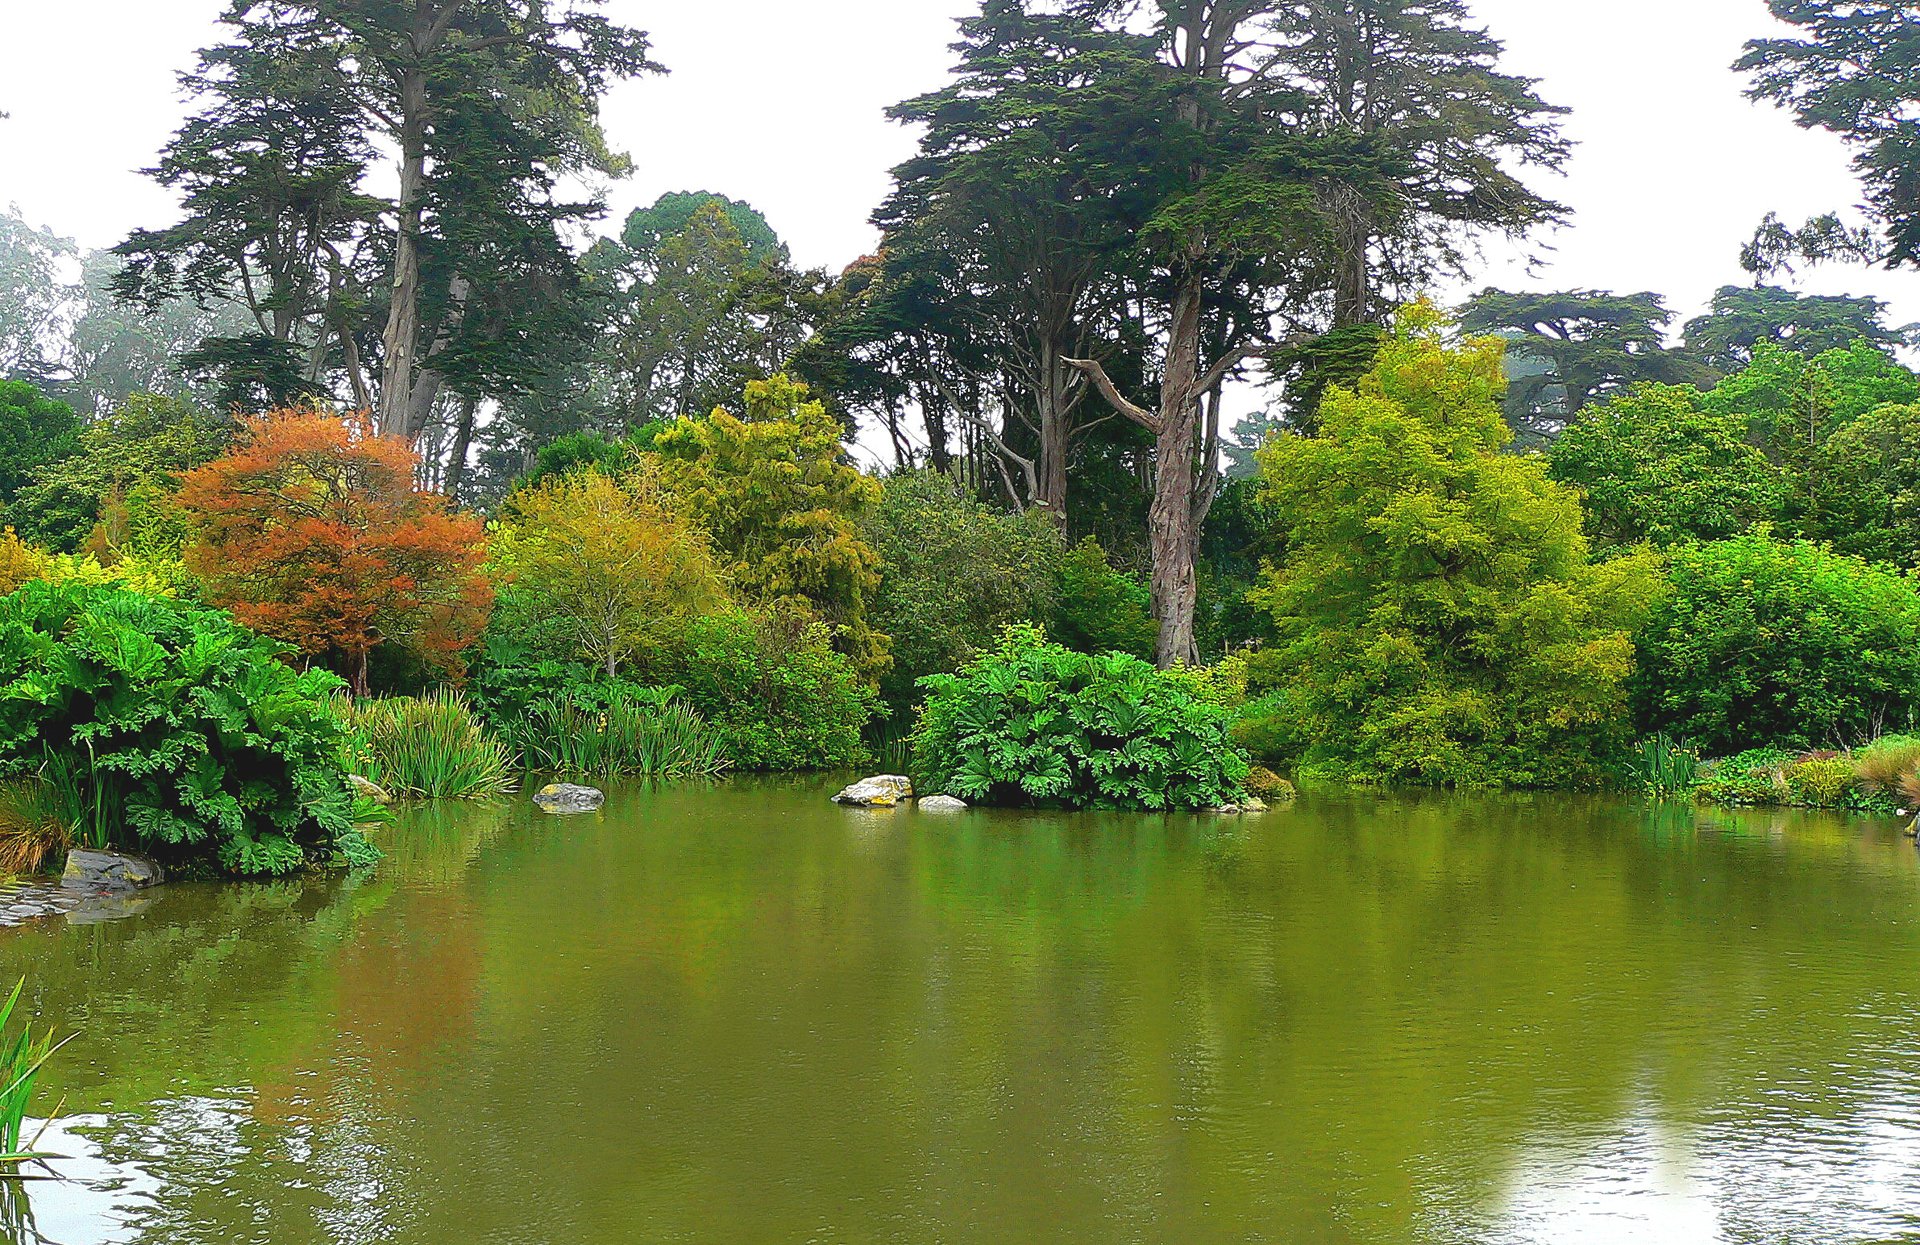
[
  {"x": 90, "y": 870},
  {"x": 566, "y": 797},
  {"x": 881, "y": 791},
  {"x": 369, "y": 788},
  {"x": 941, "y": 804}
]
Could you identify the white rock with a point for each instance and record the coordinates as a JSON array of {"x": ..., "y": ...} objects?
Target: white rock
[
  {"x": 941, "y": 804},
  {"x": 566, "y": 797},
  {"x": 880, "y": 791}
]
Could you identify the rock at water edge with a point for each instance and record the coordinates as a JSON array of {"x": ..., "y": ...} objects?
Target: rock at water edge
[
  {"x": 566, "y": 797},
  {"x": 881, "y": 791},
  {"x": 90, "y": 870},
  {"x": 941, "y": 804},
  {"x": 369, "y": 788}
]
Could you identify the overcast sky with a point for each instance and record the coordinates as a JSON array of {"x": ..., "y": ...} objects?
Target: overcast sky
[{"x": 780, "y": 102}]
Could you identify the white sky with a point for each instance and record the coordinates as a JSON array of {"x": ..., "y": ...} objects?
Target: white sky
[{"x": 780, "y": 102}]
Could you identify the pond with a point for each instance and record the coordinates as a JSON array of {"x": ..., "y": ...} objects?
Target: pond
[{"x": 742, "y": 1014}]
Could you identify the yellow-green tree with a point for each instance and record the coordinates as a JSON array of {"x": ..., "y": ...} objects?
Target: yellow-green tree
[
  {"x": 1439, "y": 619},
  {"x": 783, "y": 505},
  {"x": 604, "y": 568}
]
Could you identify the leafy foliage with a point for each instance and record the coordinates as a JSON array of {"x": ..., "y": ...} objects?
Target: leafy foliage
[
  {"x": 194, "y": 739},
  {"x": 34, "y": 430},
  {"x": 1098, "y": 609},
  {"x": 773, "y": 686},
  {"x": 783, "y": 507},
  {"x": 1744, "y": 318},
  {"x": 1439, "y": 621},
  {"x": 1864, "y": 494},
  {"x": 1656, "y": 465},
  {"x": 1035, "y": 722},
  {"x": 954, "y": 573},
  {"x": 314, "y": 530},
  {"x": 600, "y": 570},
  {"x": 1782, "y": 641}
]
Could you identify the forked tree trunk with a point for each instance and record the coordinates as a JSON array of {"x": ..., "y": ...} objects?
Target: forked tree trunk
[{"x": 401, "y": 340}]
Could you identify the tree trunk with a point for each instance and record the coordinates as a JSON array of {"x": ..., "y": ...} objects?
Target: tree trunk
[
  {"x": 397, "y": 406},
  {"x": 1056, "y": 414},
  {"x": 1172, "y": 533},
  {"x": 462, "y": 443}
]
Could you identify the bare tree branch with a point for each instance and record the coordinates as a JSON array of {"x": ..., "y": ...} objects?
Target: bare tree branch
[{"x": 1132, "y": 410}]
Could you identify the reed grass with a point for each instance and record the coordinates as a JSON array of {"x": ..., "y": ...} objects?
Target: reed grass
[
  {"x": 1664, "y": 769},
  {"x": 21, "y": 1058},
  {"x": 651, "y": 738},
  {"x": 429, "y": 747}
]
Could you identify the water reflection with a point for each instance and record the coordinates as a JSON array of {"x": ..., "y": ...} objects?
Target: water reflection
[{"x": 741, "y": 1013}]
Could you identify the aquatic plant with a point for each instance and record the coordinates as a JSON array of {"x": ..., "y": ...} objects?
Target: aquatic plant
[
  {"x": 1663, "y": 769},
  {"x": 1035, "y": 722},
  {"x": 21, "y": 1058},
  {"x": 649, "y": 735},
  {"x": 428, "y": 747},
  {"x": 37, "y": 821}
]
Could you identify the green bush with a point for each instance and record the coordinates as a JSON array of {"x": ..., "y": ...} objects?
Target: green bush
[
  {"x": 427, "y": 748},
  {"x": 953, "y": 573},
  {"x": 1822, "y": 781},
  {"x": 1782, "y": 641},
  {"x": 1099, "y": 609},
  {"x": 1269, "y": 786},
  {"x": 1035, "y": 722},
  {"x": 774, "y": 688},
  {"x": 1755, "y": 778},
  {"x": 193, "y": 739}
]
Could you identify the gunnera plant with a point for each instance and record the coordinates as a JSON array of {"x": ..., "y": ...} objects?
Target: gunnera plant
[
  {"x": 1036, "y": 723},
  {"x": 189, "y": 737}
]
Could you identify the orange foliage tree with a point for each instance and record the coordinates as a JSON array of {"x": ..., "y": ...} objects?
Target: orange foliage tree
[{"x": 312, "y": 529}]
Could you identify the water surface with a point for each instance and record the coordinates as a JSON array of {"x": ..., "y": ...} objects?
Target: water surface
[{"x": 741, "y": 1014}]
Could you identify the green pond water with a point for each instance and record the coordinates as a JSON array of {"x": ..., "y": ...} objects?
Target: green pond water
[{"x": 740, "y": 1014}]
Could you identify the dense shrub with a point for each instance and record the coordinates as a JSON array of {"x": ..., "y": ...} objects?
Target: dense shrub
[
  {"x": 1099, "y": 609},
  {"x": 599, "y": 569},
  {"x": 771, "y": 683},
  {"x": 192, "y": 738},
  {"x": 1786, "y": 642},
  {"x": 1438, "y": 618},
  {"x": 954, "y": 572},
  {"x": 1035, "y": 722}
]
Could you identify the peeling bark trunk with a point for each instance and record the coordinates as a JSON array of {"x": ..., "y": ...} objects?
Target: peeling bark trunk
[
  {"x": 398, "y": 407},
  {"x": 462, "y": 443},
  {"x": 1172, "y": 533}
]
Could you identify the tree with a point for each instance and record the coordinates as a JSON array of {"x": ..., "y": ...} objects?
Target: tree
[
  {"x": 605, "y": 566},
  {"x": 34, "y": 302},
  {"x": 118, "y": 349},
  {"x": 487, "y": 106},
  {"x": 144, "y": 444},
  {"x": 953, "y": 574},
  {"x": 1789, "y": 643},
  {"x": 1438, "y": 619},
  {"x": 1792, "y": 403},
  {"x": 1293, "y": 158},
  {"x": 1866, "y": 486},
  {"x": 1004, "y": 232},
  {"x": 783, "y": 507},
  {"x": 1849, "y": 70},
  {"x": 1655, "y": 465},
  {"x": 312, "y": 529},
  {"x": 34, "y": 430},
  {"x": 1418, "y": 78},
  {"x": 1570, "y": 349},
  {"x": 1741, "y": 319}
]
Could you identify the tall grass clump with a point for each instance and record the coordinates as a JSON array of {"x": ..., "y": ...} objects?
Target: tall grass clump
[
  {"x": 651, "y": 736},
  {"x": 430, "y": 747},
  {"x": 21, "y": 1058},
  {"x": 41, "y": 816},
  {"x": 1890, "y": 765},
  {"x": 1664, "y": 770}
]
